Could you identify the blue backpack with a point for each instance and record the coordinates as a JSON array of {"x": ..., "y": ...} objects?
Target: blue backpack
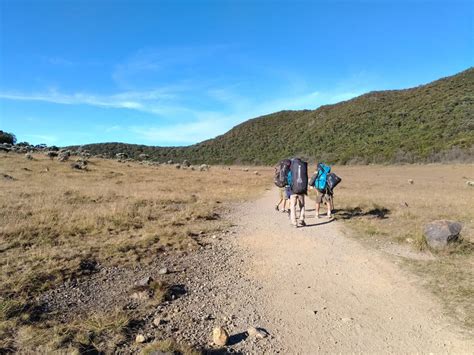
[{"x": 322, "y": 177}]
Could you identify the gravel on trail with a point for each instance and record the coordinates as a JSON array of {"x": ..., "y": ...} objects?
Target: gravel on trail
[{"x": 295, "y": 290}]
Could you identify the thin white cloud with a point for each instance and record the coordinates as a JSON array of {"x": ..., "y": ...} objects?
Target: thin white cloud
[
  {"x": 193, "y": 123},
  {"x": 127, "y": 100}
]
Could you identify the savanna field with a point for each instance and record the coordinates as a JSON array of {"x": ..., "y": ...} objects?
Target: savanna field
[{"x": 56, "y": 221}]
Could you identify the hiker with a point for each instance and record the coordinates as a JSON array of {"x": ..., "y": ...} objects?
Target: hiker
[
  {"x": 324, "y": 182},
  {"x": 298, "y": 182},
  {"x": 281, "y": 180}
]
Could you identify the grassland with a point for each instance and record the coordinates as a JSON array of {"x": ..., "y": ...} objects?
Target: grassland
[
  {"x": 54, "y": 220},
  {"x": 386, "y": 211}
]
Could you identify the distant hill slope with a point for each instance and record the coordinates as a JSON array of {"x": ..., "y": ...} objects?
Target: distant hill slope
[{"x": 426, "y": 123}]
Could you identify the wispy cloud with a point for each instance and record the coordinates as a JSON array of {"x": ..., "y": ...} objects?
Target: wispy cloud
[
  {"x": 182, "y": 122},
  {"x": 127, "y": 100}
]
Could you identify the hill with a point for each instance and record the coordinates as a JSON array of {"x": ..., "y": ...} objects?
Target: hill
[{"x": 432, "y": 122}]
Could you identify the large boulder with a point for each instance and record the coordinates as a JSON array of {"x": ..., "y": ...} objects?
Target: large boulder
[
  {"x": 64, "y": 155},
  {"x": 121, "y": 156},
  {"x": 439, "y": 234}
]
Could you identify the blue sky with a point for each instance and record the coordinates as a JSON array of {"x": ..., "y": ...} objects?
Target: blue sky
[{"x": 178, "y": 72}]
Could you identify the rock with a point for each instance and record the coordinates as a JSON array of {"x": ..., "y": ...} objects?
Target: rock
[
  {"x": 163, "y": 271},
  {"x": 64, "y": 156},
  {"x": 79, "y": 165},
  {"x": 220, "y": 337},
  {"x": 439, "y": 233},
  {"x": 144, "y": 281},
  {"x": 143, "y": 156},
  {"x": 258, "y": 333},
  {"x": 245, "y": 169},
  {"x": 186, "y": 164},
  {"x": 256, "y": 173},
  {"x": 169, "y": 162},
  {"x": 142, "y": 295},
  {"x": 470, "y": 183},
  {"x": 410, "y": 181},
  {"x": 204, "y": 167},
  {"x": 158, "y": 321},
  {"x": 8, "y": 177},
  {"x": 121, "y": 156},
  {"x": 140, "y": 338},
  {"x": 28, "y": 156},
  {"x": 178, "y": 166}
]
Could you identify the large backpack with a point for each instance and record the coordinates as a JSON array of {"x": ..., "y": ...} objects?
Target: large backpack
[
  {"x": 321, "y": 180},
  {"x": 299, "y": 176},
  {"x": 281, "y": 173}
]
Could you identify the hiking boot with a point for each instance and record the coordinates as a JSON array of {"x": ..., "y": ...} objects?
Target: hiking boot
[
  {"x": 276, "y": 208},
  {"x": 303, "y": 224}
]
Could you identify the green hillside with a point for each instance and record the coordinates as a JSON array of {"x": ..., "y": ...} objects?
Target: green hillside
[{"x": 432, "y": 122}]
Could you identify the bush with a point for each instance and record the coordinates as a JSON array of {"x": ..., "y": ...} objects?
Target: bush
[{"x": 8, "y": 138}]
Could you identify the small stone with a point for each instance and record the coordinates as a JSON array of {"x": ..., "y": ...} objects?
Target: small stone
[
  {"x": 346, "y": 319},
  {"x": 163, "y": 271},
  {"x": 411, "y": 182},
  {"x": 470, "y": 183},
  {"x": 140, "y": 338},
  {"x": 158, "y": 321},
  {"x": 257, "y": 333},
  {"x": 220, "y": 337},
  {"x": 140, "y": 295},
  {"x": 144, "y": 281}
]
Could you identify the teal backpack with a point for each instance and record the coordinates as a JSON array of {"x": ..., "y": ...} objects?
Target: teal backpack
[{"x": 321, "y": 179}]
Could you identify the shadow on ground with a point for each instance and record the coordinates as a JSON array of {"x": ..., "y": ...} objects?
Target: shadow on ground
[{"x": 349, "y": 213}]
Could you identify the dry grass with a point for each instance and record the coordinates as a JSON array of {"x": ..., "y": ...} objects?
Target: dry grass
[
  {"x": 380, "y": 204},
  {"x": 168, "y": 346},
  {"x": 53, "y": 218}
]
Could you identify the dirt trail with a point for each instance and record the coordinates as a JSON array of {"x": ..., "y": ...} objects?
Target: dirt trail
[{"x": 322, "y": 292}]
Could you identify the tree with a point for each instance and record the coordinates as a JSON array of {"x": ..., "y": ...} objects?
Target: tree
[{"x": 6, "y": 137}]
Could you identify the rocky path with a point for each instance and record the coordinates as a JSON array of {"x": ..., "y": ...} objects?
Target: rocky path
[
  {"x": 317, "y": 291},
  {"x": 312, "y": 289}
]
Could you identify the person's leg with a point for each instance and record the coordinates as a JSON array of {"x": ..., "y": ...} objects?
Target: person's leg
[
  {"x": 328, "y": 206},
  {"x": 284, "y": 205},
  {"x": 277, "y": 207},
  {"x": 302, "y": 210},
  {"x": 318, "y": 203},
  {"x": 293, "y": 199}
]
